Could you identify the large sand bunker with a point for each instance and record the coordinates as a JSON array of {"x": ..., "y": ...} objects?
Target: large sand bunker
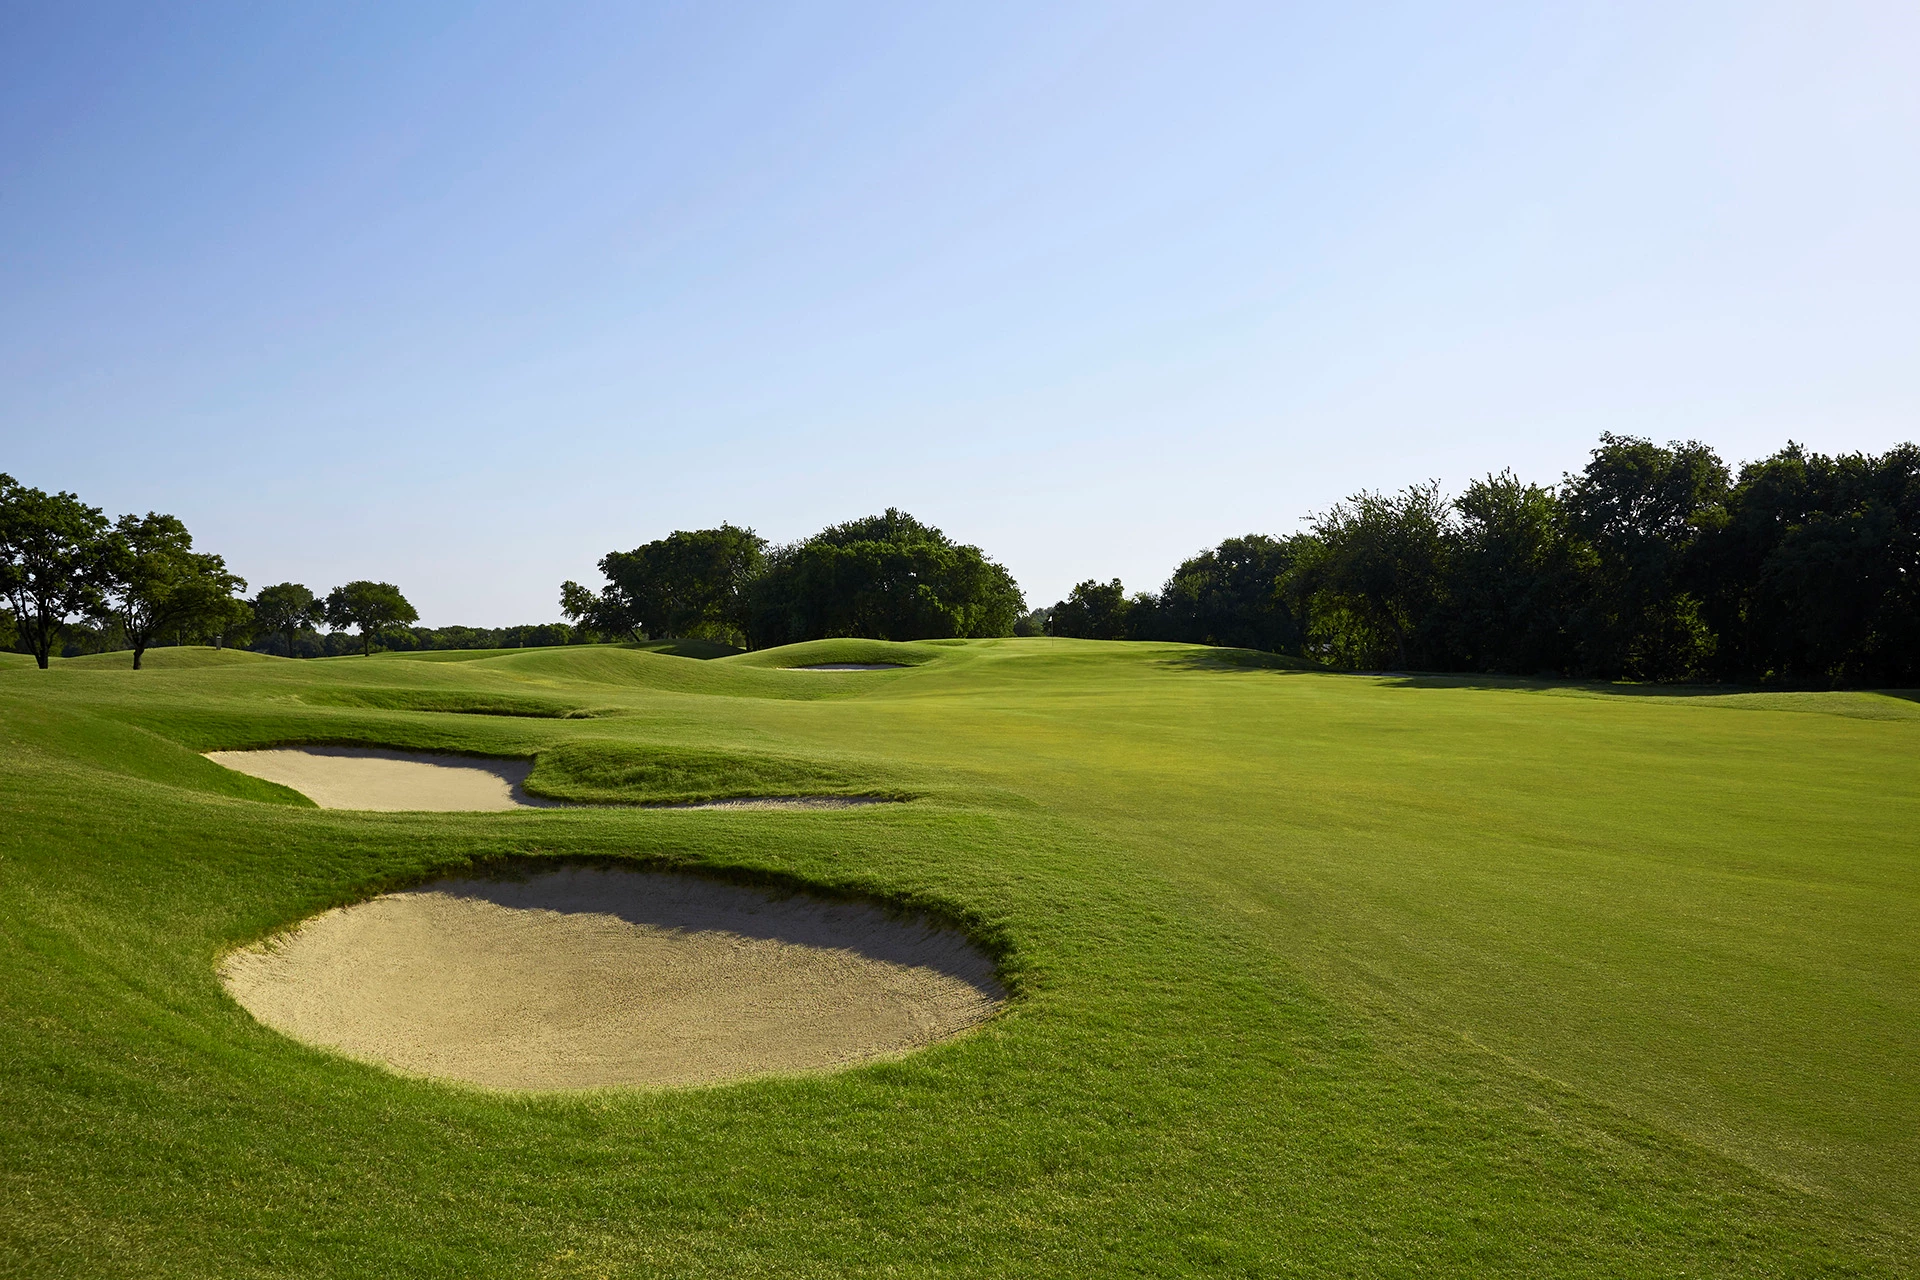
[
  {"x": 369, "y": 778},
  {"x": 583, "y": 978}
]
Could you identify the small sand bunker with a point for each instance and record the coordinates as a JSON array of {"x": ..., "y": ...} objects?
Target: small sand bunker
[
  {"x": 851, "y": 666},
  {"x": 391, "y": 781},
  {"x": 374, "y": 779},
  {"x": 583, "y": 978}
]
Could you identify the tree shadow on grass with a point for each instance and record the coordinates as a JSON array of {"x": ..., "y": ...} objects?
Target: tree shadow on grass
[{"x": 1223, "y": 659}]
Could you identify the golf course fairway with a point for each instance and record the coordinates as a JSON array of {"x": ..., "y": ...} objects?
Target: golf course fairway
[{"x": 1305, "y": 973}]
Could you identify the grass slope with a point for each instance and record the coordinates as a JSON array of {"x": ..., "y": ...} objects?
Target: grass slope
[{"x": 1314, "y": 974}]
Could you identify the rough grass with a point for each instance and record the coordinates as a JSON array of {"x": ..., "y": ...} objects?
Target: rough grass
[{"x": 1319, "y": 975}]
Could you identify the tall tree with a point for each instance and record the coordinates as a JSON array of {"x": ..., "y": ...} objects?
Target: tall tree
[
  {"x": 370, "y": 606},
  {"x": 690, "y": 583},
  {"x": 1093, "y": 610},
  {"x": 1234, "y": 595},
  {"x": 885, "y": 577},
  {"x": 1814, "y": 575},
  {"x": 287, "y": 608},
  {"x": 153, "y": 582},
  {"x": 50, "y": 554},
  {"x": 1514, "y": 578},
  {"x": 1385, "y": 567},
  {"x": 1642, "y": 509}
]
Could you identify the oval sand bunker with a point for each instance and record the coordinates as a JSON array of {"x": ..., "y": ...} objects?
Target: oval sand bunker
[
  {"x": 582, "y": 978},
  {"x": 372, "y": 778}
]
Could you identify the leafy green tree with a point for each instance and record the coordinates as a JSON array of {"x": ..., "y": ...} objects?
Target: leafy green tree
[
  {"x": 1093, "y": 610},
  {"x": 1515, "y": 576},
  {"x": 153, "y": 583},
  {"x": 1234, "y": 595},
  {"x": 370, "y": 606},
  {"x": 1384, "y": 574},
  {"x": 1814, "y": 574},
  {"x": 691, "y": 583},
  {"x": 287, "y": 609},
  {"x": 1643, "y": 510},
  {"x": 885, "y": 577},
  {"x": 50, "y": 553}
]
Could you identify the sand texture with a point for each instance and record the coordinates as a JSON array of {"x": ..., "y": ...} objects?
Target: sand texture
[
  {"x": 584, "y": 978},
  {"x": 368, "y": 778},
  {"x": 375, "y": 779}
]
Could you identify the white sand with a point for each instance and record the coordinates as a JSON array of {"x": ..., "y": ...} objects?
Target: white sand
[{"x": 583, "y": 978}]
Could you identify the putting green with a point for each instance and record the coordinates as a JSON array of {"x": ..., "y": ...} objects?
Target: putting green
[{"x": 1308, "y": 973}]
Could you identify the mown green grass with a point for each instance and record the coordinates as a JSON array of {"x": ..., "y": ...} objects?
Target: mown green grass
[{"x": 1315, "y": 974}]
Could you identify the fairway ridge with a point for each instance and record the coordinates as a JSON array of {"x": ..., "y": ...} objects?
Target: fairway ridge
[
  {"x": 850, "y": 666},
  {"x": 584, "y": 978}
]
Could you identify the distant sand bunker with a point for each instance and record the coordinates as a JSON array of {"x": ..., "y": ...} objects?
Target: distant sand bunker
[
  {"x": 582, "y": 978},
  {"x": 412, "y": 781},
  {"x": 365, "y": 778}
]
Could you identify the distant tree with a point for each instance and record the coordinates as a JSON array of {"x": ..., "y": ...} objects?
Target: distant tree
[
  {"x": 287, "y": 609},
  {"x": 153, "y": 583},
  {"x": 1515, "y": 577},
  {"x": 50, "y": 554},
  {"x": 1643, "y": 510},
  {"x": 691, "y": 583},
  {"x": 1384, "y": 571},
  {"x": 1037, "y": 623},
  {"x": 1093, "y": 610},
  {"x": 885, "y": 577},
  {"x": 600, "y": 612},
  {"x": 370, "y": 606},
  {"x": 1813, "y": 576},
  {"x": 1235, "y": 595}
]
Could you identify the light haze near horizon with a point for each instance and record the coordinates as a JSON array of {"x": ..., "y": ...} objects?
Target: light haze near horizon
[{"x": 463, "y": 297}]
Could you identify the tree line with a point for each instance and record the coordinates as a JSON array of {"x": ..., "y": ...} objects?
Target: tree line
[
  {"x": 886, "y": 577},
  {"x": 74, "y": 579},
  {"x": 1651, "y": 563}
]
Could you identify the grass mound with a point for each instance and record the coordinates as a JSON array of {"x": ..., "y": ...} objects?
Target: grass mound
[
  {"x": 449, "y": 702},
  {"x": 599, "y": 772},
  {"x": 816, "y": 652},
  {"x": 702, "y": 650}
]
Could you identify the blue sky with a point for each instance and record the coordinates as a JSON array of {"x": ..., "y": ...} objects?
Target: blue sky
[{"x": 462, "y": 297}]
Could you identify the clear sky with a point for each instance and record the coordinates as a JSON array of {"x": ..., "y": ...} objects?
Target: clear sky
[{"x": 462, "y": 297}]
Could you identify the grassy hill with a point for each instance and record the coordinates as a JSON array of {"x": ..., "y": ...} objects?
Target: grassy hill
[{"x": 1313, "y": 973}]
